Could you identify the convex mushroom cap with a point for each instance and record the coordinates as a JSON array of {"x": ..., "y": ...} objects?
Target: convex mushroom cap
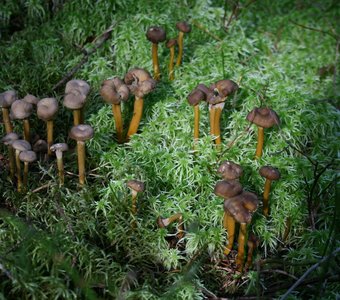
[
  {"x": 7, "y": 98},
  {"x": 183, "y": 26},
  {"x": 81, "y": 132},
  {"x": 9, "y": 138},
  {"x": 171, "y": 43},
  {"x": 61, "y": 147},
  {"x": 21, "y": 145},
  {"x": 197, "y": 95},
  {"x": 230, "y": 170},
  {"x": 263, "y": 117},
  {"x": 47, "y": 108},
  {"x": 21, "y": 109},
  {"x": 221, "y": 90},
  {"x": 114, "y": 91},
  {"x": 139, "y": 82},
  {"x": 40, "y": 146},
  {"x": 79, "y": 85},
  {"x": 270, "y": 173},
  {"x": 75, "y": 94},
  {"x": 136, "y": 185},
  {"x": 227, "y": 189},
  {"x": 156, "y": 34},
  {"x": 28, "y": 156},
  {"x": 31, "y": 99}
]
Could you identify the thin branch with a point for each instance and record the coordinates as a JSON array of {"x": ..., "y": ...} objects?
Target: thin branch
[
  {"x": 201, "y": 27},
  {"x": 316, "y": 29}
]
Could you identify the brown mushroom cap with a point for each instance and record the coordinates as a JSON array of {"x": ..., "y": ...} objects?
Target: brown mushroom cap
[
  {"x": 79, "y": 85},
  {"x": 31, "y": 99},
  {"x": 139, "y": 82},
  {"x": 21, "y": 109},
  {"x": 40, "y": 146},
  {"x": 183, "y": 26},
  {"x": 136, "y": 75},
  {"x": 227, "y": 189},
  {"x": 81, "y": 132},
  {"x": 270, "y": 173},
  {"x": 230, "y": 170},
  {"x": 9, "y": 138},
  {"x": 171, "y": 43},
  {"x": 61, "y": 147},
  {"x": 156, "y": 34},
  {"x": 136, "y": 185},
  {"x": 263, "y": 117},
  {"x": 7, "y": 98},
  {"x": 114, "y": 91},
  {"x": 163, "y": 222},
  {"x": 28, "y": 156},
  {"x": 196, "y": 96},
  {"x": 221, "y": 90},
  {"x": 21, "y": 145},
  {"x": 74, "y": 99},
  {"x": 47, "y": 108}
]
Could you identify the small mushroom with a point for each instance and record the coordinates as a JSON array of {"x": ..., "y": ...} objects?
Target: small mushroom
[
  {"x": 40, "y": 147},
  {"x": 6, "y": 100},
  {"x": 230, "y": 170},
  {"x": 8, "y": 139},
  {"x": 183, "y": 27},
  {"x": 27, "y": 157},
  {"x": 165, "y": 222},
  {"x": 46, "y": 110},
  {"x": 155, "y": 35},
  {"x": 22, "y": 110},
  {"x": 140, "y": 83},
  {"x": 136, "y": 187},
  {"x": 81, "y": 133},
  {"x": 252, "y": 243},
  {"x": 59, "y": 148},
  {"x": 19, "y": 146},
  {"x": 31, "y": 99},
  {"x": 113, "y": 92},
  {"x": 171, "y": 46},
  {"x": 270, "y": 174},
  {"x": 263, "y": 118}
]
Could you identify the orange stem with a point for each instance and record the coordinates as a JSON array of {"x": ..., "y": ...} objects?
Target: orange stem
[
  {"x": 171, "y": 63},
  {"x": 117, "y": 114},
  {"x": 77, "y": 117},
  {"x": 229, "y": 225},
  {"x": 180, "y": 48},
  {"x": 266, "y": 197},
  {"x": 49, "y": 136},
  {"x": 260, "y": 140},
  {"x": 27, "y": 136},
  {"x": 137, "y": 115},
  {"x": 240, "y": 252},
  {"x": 217, "y": 127},
  {"x": 212, "y": 119},
  {"x": 156, "y": 73},
  {"x": 7, "y": 121},
  {"x": 196, "y": 122}
]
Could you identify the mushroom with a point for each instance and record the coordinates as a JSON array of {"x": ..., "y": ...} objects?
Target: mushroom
[
  {"x": 113, "y": 92},
  {"x": 230, "y": 170},
  {"x": 27, "y": 157},
  {"x": 81, "y": 133},
  {"x": 59, "y": 148},
  {"x": 8, "y": 139},
  {"x": 171, "y": 45},
  {"x": 165, "y": 222},
  {"x": 6, "y": 100},
  {"x": 19, "y": 146},
  {"x": 183, "y": 27},
  {"x": 46, "y": 110},
  {"x": 252, "y": 243},
  {"x": 226, "y": 190},
  {"x": 136, "y": 187},
  {"x": 75, "y": 96},
  {"x": 31, "y": 99},
  {"x": 155, "y": 35},
  {"x": 40, "y": 147},
  {"x": 140, "y": 83},
  {"x": 263, "y": 118},
  {"x": 22, "y": 110},
  {"x": 270, "y": 174}
]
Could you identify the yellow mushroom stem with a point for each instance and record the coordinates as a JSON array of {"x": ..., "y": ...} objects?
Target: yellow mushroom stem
[
  {"x": 260, "y": 140},
  {"x": 217, "y": 120},
  {"x": 77, "y": 117},
  {"x": 11, "y": 158},
  {"x": 27, "y": 136},
  {"x": 229, "y": 226},
  {"x": 156, "y": 73},
  {"x": 251, "y": 247},
  {"x": 180, "y": 48},
  {"x": 117, "y": 114},
  {"x": 212, "y": 119},
  {"x": 17, "y": 161},
  {"x": 241, "y": 244},
  {"x": 171, "y": 63},
  {"x": 6, "y": 120},
  {"x": 137, "y": 115},
  {"x": 60, "y": 166},
  {"x": 81, "y": 161},
  {"x": 196, "y": 122},
  {"x": 49, "y": 125},
  {"x": 266, "y": 192}
]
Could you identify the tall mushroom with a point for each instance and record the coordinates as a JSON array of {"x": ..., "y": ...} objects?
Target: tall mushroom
[
  {"x": 165, "y": 222},
  {"x": 6, "y": 100},
  {"x": 183, "y": 27},
  {"x": 113, "y": 92},
  {"x": 270, "y": 174},
  {"x": 8, "y": 140},
  {"x": 136, "y": 187},
  {"x": 27, "y": 157},
  {"x": 19, "y": 146},
  {"x": 81, "y": 133},
  {"x": 22, "y": 110},
  {"x": 59, "y": 148},
  {"x": 140, "y": 83},
  {"x": 171, "y": 46},
  {"x": 263, "y": 118},
  {"x": 155, "y": 35},
  {"x": 46, "y": 110}
]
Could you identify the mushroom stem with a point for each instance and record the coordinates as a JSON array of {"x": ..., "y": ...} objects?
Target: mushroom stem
[
  {"x": 217, "y": 128},
  {"x": 81, "y": 161},
  {"x": 117, "y": 114},
  {"x": 137, "y": 115},
  {"x": 49, "y": 125},
  {"x": 267, "y": 186},
  {"x": 77, "y": 116},
  {"x": 11, "y": 158},
  {"x": 17, "y": 161},
  {"x": 134, "y": 202},
  {"x": 196, "y": 122},
  {"x": 251, "y": 248},
  {"x": 212, "y": 119},
  {"x": 180, "y": 48},
  {"x": 229, "y": 225},
  {"x": 25, "y": 180},
  {"x": 240, "y": 251},
  {"x": 171, "y": 63},
  {"x": 27, "y": 136},
  {"x": 260, "y": 140},
  {"x": 156, "y": 73},
  {"x": 60, "y": 165},
  {"x": 6, "y": 119}
]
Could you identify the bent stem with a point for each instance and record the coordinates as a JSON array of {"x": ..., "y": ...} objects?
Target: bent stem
[
  {"x": 229, "y": 226},
  {"x": 49, "y": 125},
  {"x": 180, "y": 48},
  {"x": 217, "y": 118},
  {"x": 117, "y": 114},
  {"x": 137, "y": 115},
  {"x": 240, "y": 251},
  {"x": 267, "y": 186},
  {"x": 81, "y": 162},
  {"x": 27, "y": 136},
  {"x": 171, "y": 63},
  {"x": 155, "y": 63},
  {"x": 77, "y": 117},
  {"x": 260, "y": 140},
  {"x": 7, "y": 121},
  {"x": 17, "y": 161}
]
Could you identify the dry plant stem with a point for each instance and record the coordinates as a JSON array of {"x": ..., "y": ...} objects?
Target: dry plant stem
[
  {"x": 266, "y": 197},
  {"x": 27, "y": 136},
  {"x": 137, "y": 115},
  {"x": 229, "y": 225},
  {"x": 60, "y": 165},
  {"x": 11, "y": 161},
  {"x": 77, "y": 117},
  {"x": 171, "y": 63},
  {"x": 212, "y": 119},
  {"x": 180, "y": 48},
  {"x": 217, "y": 127},
  {"x": 240, "y": 251},
  {"x": 7, "y": 121},
  {"x": 196, "y": 122},
  {"x": 117, "y": 114},
  {"x": 156, "y": 73},
  {"x": 81, "y": 162},
  {"x": 49, "y": 125},
  {"x": 260, "y": 140},
  {"x": 17, "y": 161}
]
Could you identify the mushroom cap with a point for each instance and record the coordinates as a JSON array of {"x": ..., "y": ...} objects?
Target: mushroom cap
[
  {"x": 263, "y": 117},
  {"x": 114, "y": 91},
  {"x": 40, "y": 146},
  {"x": 47, "y": 108},
  {"x": 9, "y": 138},
  {"x": 156, "y": 34},
  {"x": 162, "y": 222},
  {"x": 21, "y": 145},
  {"x": 74, "y": 99},
  {"x": 207, "y": 91},
  {"x": 28, "y": 156},
  {"x": 136, "y": 185},
  {"x": 140, "y": 82},
  {"x": 81, "y": 132},
  {"x": 221, "y": 90},
  {"x": 79, "y": 85},
  {"x": 7, "y": 98},
  {"x": 196, "y": 96},
  {"x": 21, "y": 109},
  {"x": 171, "y": 43},
  {"x": 227, "y": 189},
  {"x": 270, "y": 173},
  {"x": 59, "y": 147},
  {"x": 230, "y": 170},
  {"x": 136, "y": 75},
  {"x": 31, "y": 99},
  {"x": 183, "y": 26}
]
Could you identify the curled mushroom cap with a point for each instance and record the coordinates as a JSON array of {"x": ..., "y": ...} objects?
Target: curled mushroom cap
[
  {"x": 7, "y": 98},
  {"x": 81, "y": 132},
  {"x": 221, "y": 90},
  {"x": 21, "y": 145},
  {"x": 227, "y": 189},
  {"x": 79, "y": 85},
  {"x": 270, "y": 173},
  {"x": 28, "y": 156},
  {"x": 59, "y": 147},
  {"x": 171, "y": 43},
  {"x": 263, "y": 117},
  {"x": 40, "y": 146},
  {"x": 114, "y": 91},
  {"x": 74, "y": 99},
  {"x": 230, "y": 170},
  {"x": 21, "y": 109},
  {"x": 31, "y": 99},
  {"x": 183, "y": 26},
  {"x": 47, "y": 108},
  {"x": 9, "y": 138},
  {"x": 156, "y": 34},
  {"x": 139, "y": 82},
  {"x": 136, "y": 185}
]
